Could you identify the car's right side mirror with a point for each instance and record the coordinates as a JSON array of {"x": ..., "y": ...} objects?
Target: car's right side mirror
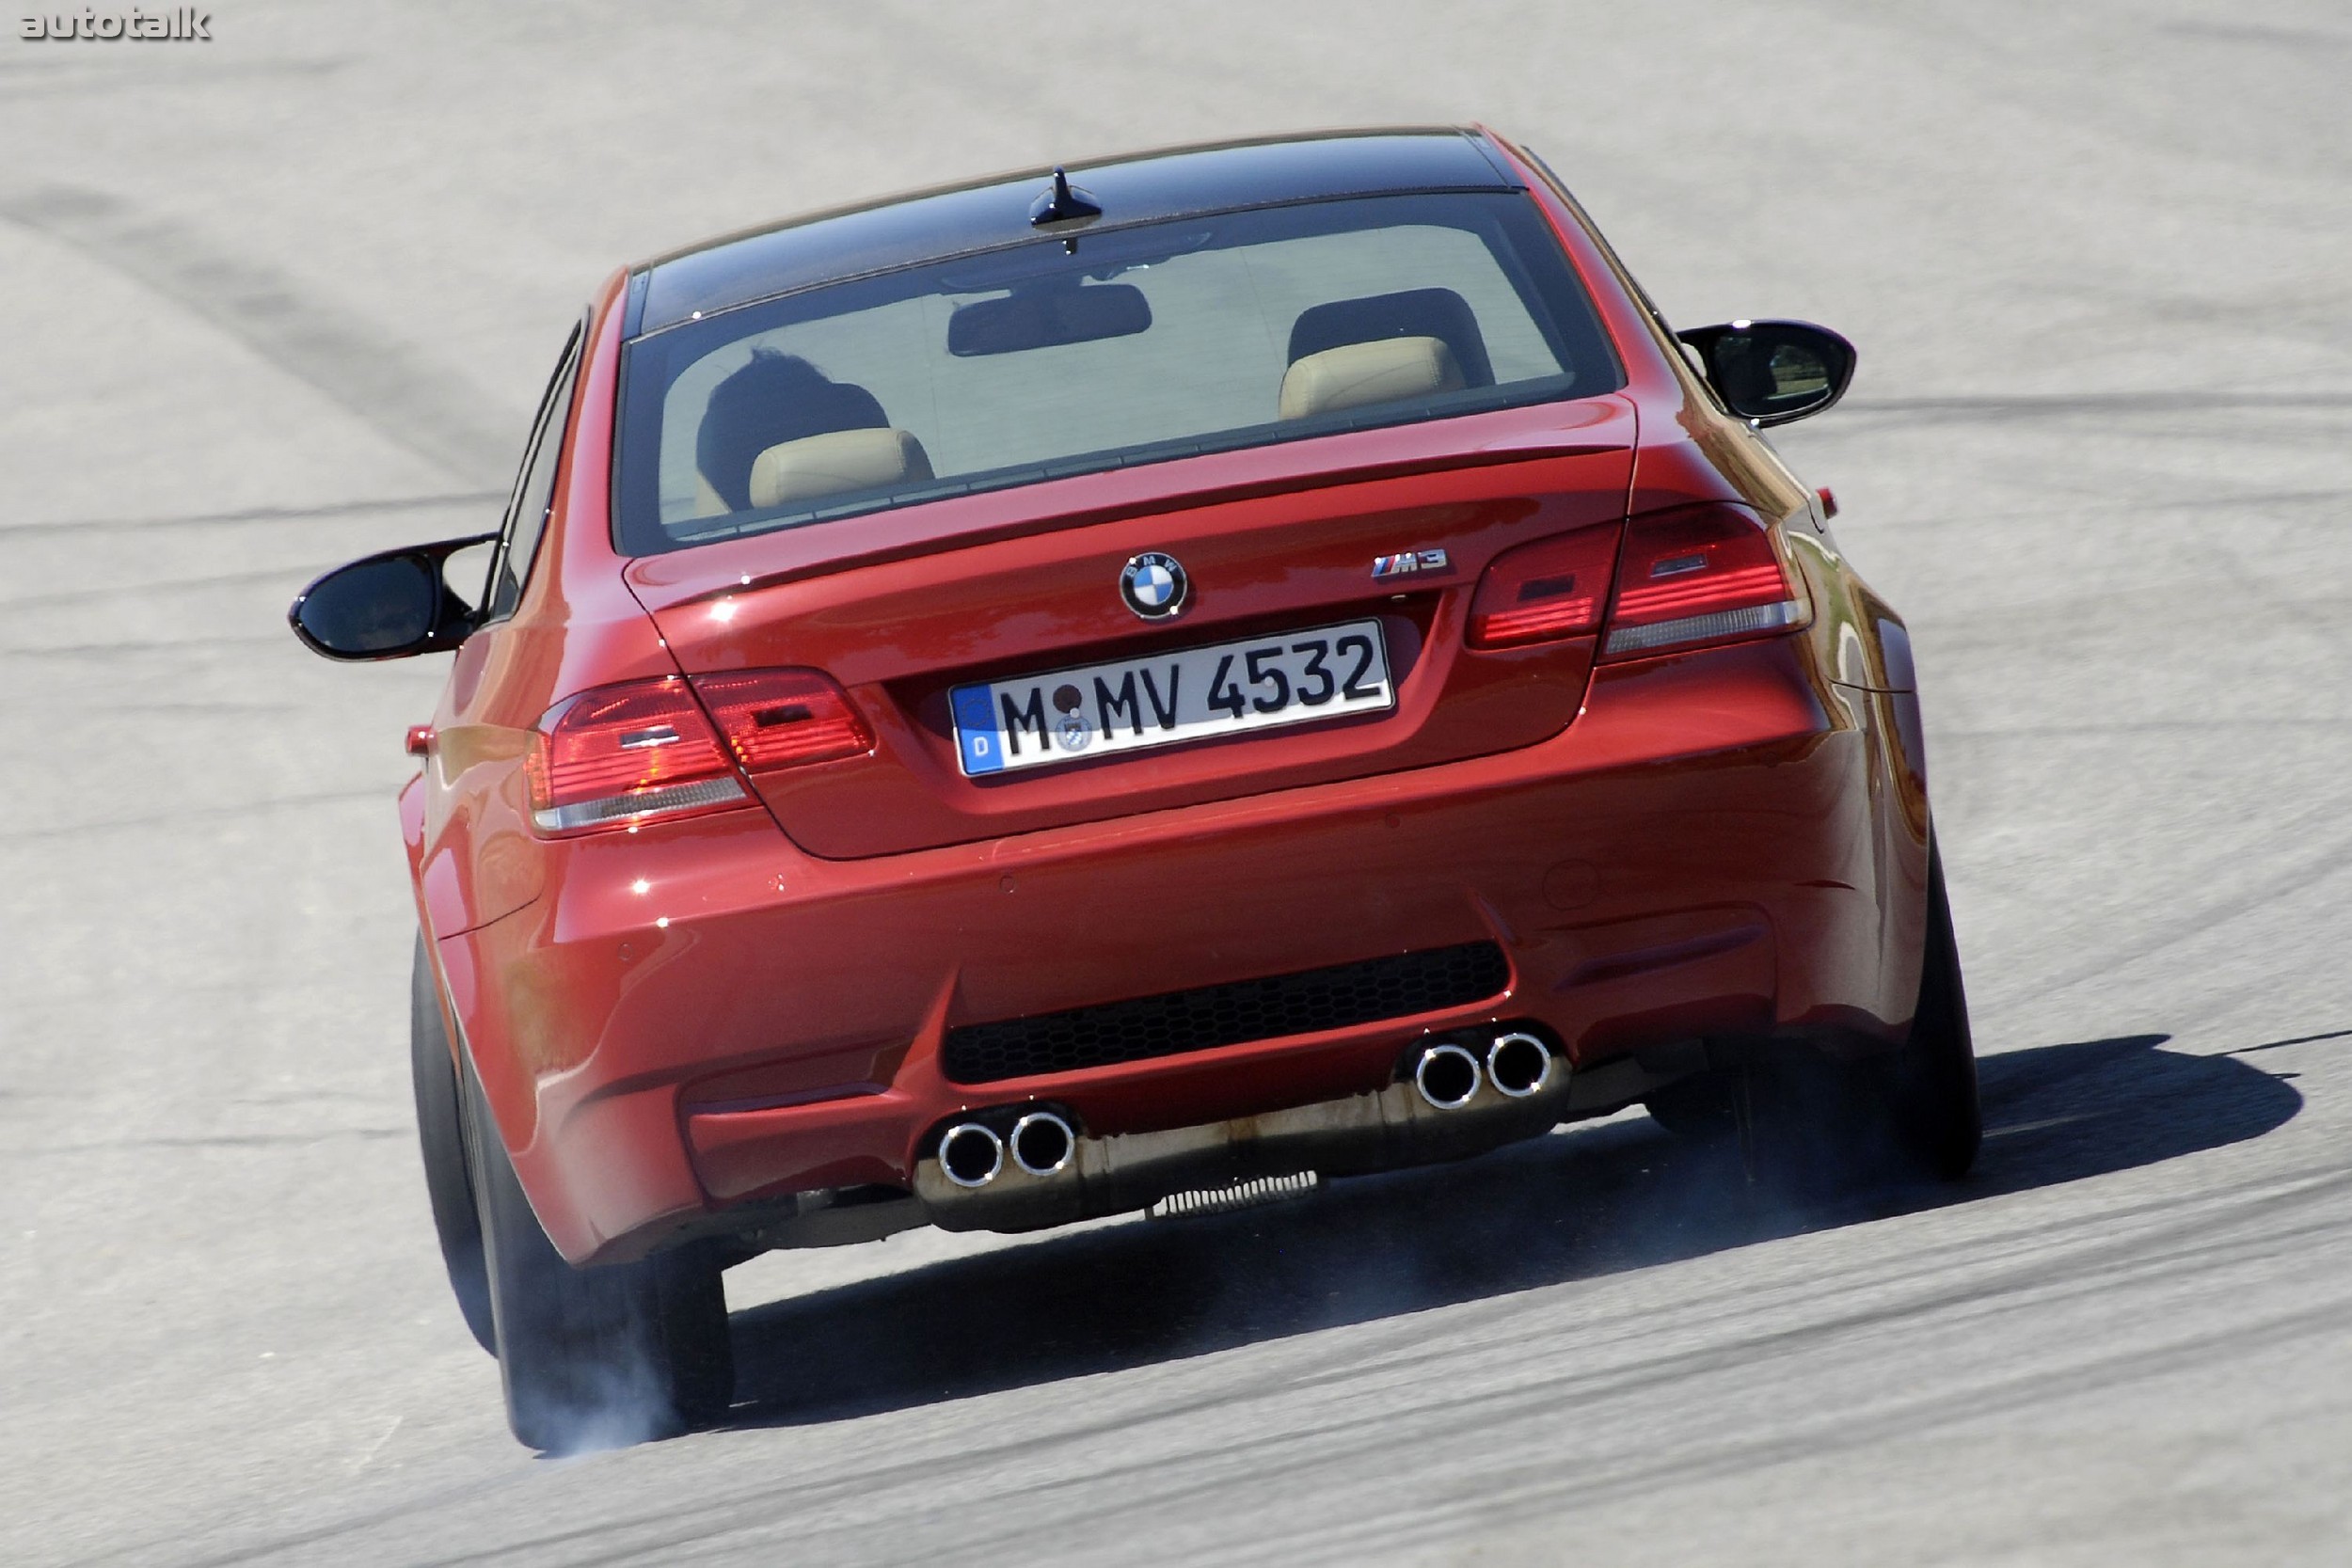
[
  {"x": 389, "y": 606},
  {"x": 1772, "y": 372}
]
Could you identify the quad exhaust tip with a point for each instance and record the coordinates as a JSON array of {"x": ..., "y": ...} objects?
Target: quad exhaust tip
[
  {"x": 1042, "y": 1143},
  {"x": 970, "y": 1155},
  {"x": 1447, "y": 1077},
  {"x": 1518, "y": 1064}
]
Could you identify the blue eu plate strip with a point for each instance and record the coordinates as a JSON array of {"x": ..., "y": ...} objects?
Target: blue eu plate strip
[{"x": 975, "y": 729}]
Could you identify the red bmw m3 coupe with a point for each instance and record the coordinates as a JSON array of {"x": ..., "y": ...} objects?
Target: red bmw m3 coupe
[{"x": 1136, "y": 688}]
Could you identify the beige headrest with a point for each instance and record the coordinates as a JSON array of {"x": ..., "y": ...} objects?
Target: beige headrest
[
  {"x": 1354, "y": 374},
  {"x": 837, "y": 461}
]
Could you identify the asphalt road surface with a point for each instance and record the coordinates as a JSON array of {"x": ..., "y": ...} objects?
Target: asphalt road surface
[{"x": 288, "y": 296}]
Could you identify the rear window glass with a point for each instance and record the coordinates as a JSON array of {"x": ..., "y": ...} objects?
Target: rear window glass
[{"x": 1134, "y": 345}]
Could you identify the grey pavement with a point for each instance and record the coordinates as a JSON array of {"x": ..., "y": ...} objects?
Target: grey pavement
[{"x": 287, "y": 296}]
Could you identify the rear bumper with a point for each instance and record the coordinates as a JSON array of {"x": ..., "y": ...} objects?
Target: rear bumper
[{"x": 703, "y": 1016}]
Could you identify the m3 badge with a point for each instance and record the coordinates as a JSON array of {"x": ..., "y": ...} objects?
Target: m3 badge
[{"x": 1409, "y": 564}]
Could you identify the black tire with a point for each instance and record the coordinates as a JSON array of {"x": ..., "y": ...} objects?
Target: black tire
[
  {"x": 600, "y": 1356},
  {"x": 1938, "y": 1121},
  {"x": 441, "y": 1136},
  {"x": 1813, "y": 1126}
]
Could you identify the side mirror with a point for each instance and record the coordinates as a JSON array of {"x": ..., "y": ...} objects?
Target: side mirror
[
  {"x": 1774, "y": 371},
  {"x": 389, "y": 606}
]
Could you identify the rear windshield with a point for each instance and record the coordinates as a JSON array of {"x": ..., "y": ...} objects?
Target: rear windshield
[{"x": 1097, "y": 351}]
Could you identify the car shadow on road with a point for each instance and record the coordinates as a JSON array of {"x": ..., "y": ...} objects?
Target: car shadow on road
[{"x": 1582, "y": 1203}]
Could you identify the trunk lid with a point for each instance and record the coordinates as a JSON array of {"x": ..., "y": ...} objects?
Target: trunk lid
[{"x": 901, "y": 608}]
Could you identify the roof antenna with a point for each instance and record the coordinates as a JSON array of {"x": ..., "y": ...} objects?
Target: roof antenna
[{"x": 1064, "y": 203}]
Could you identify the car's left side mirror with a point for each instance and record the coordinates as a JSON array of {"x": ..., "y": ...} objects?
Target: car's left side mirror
[
  {"x": 393, "y": 605},
  {"x": 1774, "y": 371}
]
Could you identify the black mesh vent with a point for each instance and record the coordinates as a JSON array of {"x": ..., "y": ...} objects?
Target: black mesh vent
[{"x": 1334, "y": 998}]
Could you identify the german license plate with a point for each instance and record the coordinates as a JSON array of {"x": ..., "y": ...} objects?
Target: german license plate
[{"x": 1190, "y": 694}]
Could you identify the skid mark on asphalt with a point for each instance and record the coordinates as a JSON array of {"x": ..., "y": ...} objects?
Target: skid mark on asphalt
[
  {"x": 192, "y": 813},
  {"x": 166, "y": 587},
  {"x": 2151, "y": 727},
  {"x": 65, "y": 74},
  {"x": 2281, "y": 1045},
  {"x": 2041, "y": 405},
  {"x": 2194, "y": 513},
  {"x": 257, "y": 514},
  {"x": 425, "y": 408},
  {"x": 2296, "y": 39},
  {"x": 177, "y": 647},
  {"x": 225, "y": 1140},
  {"x": 2299, "y": 872}
]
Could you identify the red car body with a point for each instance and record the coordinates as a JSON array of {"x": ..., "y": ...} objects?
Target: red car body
[
  {"x": 691, "y": 1018},
  {"x": 1651, "y": 860},
  {"x": 736, "y": 935}
]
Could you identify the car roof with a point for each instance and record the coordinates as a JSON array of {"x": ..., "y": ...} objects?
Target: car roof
[{"x": 928, "y": 226}]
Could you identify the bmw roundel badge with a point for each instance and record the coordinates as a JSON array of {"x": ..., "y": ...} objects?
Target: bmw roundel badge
[{"x": 1154, "y": 586}]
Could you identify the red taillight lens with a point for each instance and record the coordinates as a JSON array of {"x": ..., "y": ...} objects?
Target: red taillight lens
[
  {"x": 1699, "y": 573},
  {"x": 784, "y": 718},
  {"x": 1542, "y": 591},
  {"x": 620, "y": 753}
]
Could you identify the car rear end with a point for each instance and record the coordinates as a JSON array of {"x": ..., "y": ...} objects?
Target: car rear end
[{"x": 1323, "y": 737}]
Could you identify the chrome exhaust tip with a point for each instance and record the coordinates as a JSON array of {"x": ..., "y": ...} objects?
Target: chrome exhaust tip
[
  {"x": 1042, "y": 1143},
  {"x": 970, "y": 1155},
  {"x": 1447, "y": 1077},
  {"x": 1518, "y": 1064}
]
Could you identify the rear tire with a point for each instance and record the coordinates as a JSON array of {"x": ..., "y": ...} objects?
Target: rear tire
[
  {"x": 441, "y": 1136},
  {"x": 1938, "y": 1121},
  {"x": 600, "y": 1356},
  {"x": 1808, "y": 1124}
]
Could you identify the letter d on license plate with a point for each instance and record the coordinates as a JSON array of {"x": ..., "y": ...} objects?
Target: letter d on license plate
[{"x": 1190, "y": 694}]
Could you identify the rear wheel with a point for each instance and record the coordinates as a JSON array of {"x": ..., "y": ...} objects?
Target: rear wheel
[
  {"x": 1932, "y": 1094},
  {"x": 1806, "y": 1122},
  {"x": 600, "y": 1356},
  {"x": 441, "y": 1136}
]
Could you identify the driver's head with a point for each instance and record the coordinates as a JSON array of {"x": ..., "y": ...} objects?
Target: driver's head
[{"x": 776, "y": 398}]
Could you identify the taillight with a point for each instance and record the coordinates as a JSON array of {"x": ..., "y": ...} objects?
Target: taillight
[
  {"x": 1542, "y": 591},
  {"x": 622, "y": 754},
  {"x": 784, "y": 718},
  {"x": 1699, "y": 573}
]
